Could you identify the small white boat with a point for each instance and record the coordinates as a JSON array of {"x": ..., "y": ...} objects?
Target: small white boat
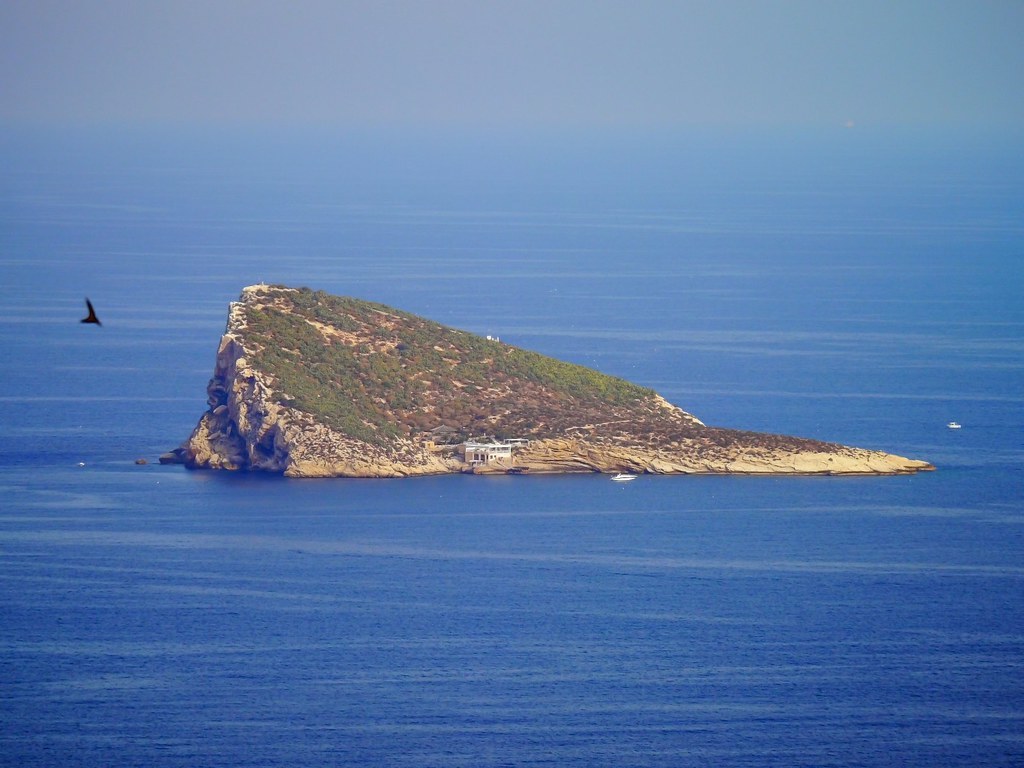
[
  {"x": 623, "y": 477},
  {"x": 953, "y": 425}
]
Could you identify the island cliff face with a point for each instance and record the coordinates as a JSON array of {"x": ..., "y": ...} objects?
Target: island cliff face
[{"x": 312, "y": 385}]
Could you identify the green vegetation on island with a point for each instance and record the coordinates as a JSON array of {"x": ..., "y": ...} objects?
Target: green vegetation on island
[{"x": 374, "y": 372}]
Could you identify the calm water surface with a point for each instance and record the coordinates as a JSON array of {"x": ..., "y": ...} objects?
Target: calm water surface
[{"x": 152, "y": 616}]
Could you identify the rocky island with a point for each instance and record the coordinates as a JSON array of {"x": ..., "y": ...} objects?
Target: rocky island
[{"x": 312, "y": 385}]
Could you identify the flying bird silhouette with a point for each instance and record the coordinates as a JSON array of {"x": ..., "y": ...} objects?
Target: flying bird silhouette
[{"x": 92, "y": 314}]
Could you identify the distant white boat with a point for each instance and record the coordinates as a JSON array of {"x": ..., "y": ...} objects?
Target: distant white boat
[
  {"x": 953, "y": 425},
  {"x": 623, "y": 477}
]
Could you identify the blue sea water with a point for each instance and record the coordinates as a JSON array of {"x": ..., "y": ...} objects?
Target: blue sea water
[{"x": 853, "y": 287}]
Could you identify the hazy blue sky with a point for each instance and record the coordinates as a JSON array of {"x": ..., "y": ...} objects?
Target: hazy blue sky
[{"x": 522, "y": 63}]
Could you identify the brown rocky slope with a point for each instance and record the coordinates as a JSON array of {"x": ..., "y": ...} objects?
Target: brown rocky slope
[{"x": 312, "y": 385}]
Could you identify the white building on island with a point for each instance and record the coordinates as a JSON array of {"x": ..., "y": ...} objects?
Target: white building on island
[{"x": 484, "y": 452}]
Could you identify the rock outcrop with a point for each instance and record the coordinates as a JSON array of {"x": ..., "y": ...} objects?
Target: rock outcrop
[{"x": 310, "y": 385}]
